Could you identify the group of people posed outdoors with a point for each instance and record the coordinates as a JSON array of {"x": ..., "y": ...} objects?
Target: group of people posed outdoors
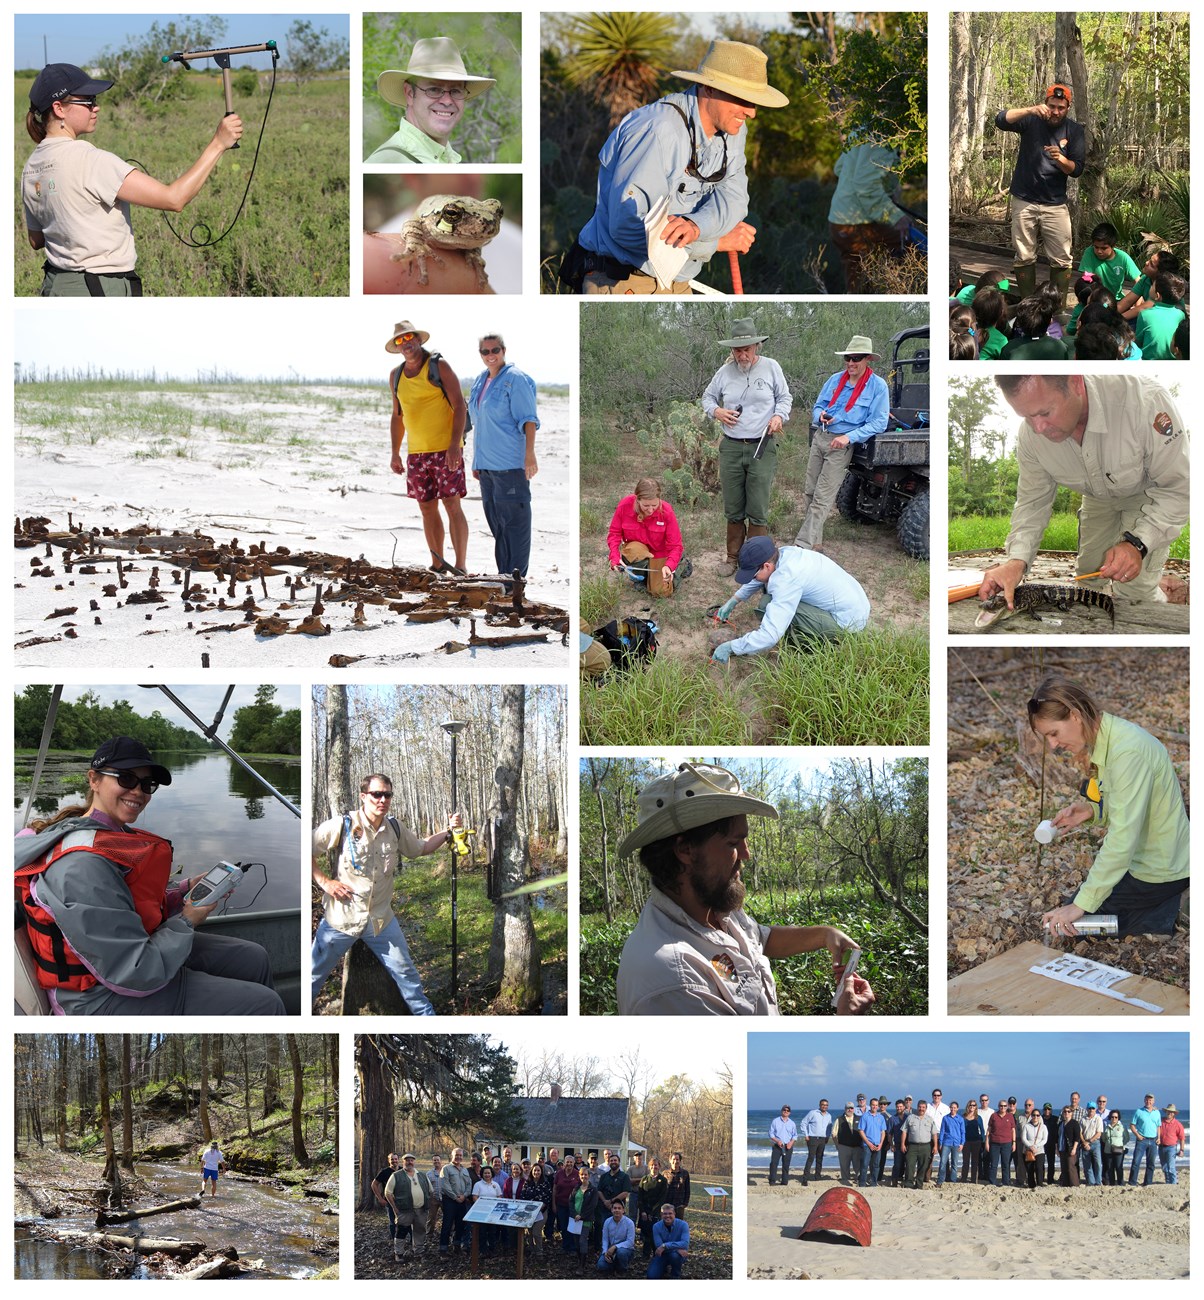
[
  {"x": 800, "y": 593},
  {"x": 1000, "y": 1145},
  {"x": 587, "y": 1202}
]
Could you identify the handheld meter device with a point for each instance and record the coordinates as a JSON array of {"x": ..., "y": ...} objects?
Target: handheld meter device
[
  {"x": 216, "y": 884},
  {"x": 850, "y": 967}
]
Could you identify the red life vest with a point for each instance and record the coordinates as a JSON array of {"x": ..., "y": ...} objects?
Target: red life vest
[{"x": 145, "y": 862}]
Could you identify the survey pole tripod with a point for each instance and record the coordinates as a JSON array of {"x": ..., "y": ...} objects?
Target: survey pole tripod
[
  {"x": 453, "y": 729},
  {"x": 222, "y": 58}
]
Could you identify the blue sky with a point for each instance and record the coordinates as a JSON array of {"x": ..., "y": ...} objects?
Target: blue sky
[
  {"x": 800, "y": 1068},
  {"x": 79, "y": 38}
]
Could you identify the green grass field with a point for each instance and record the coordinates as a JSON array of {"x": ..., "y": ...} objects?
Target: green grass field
[
  {"x": 292, "y": 238},
  {"x": 987, "y": 532}
]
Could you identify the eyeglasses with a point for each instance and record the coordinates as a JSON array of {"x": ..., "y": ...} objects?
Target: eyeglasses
[
  {"x": 438, "y": 92},
  {"x": 384, "y": 795},
  {"x": 490, "y": 352},
  {"x": 88, "y": 101},
  {"x": 405, "y": 338},
  {"x": 128, "y": 781}
]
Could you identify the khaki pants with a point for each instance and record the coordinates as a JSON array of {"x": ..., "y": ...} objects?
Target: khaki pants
[
  {"x": 1044, "y": 227},
  {"x": 825, "y": 473},
  {"x": 747, "y": 483},
  {"x": 415, "y": 1219},
  {"x": 1101, "y": 522},
  {"x": 636, "y": 283}
]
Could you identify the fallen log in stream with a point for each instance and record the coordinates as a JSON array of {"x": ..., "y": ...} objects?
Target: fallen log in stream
[{"x": 104, "y": 1217}]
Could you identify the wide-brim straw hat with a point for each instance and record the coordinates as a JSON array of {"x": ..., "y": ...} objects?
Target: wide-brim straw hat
[
  {"x": 405, "y": 327},
  {"x": 437, "y": 57},
  {"x": 694, "y": 795},
  {"x": 739, "y": 69},
  {"x": 745, "y": 332},
  {"x": 860, "y": 345}
]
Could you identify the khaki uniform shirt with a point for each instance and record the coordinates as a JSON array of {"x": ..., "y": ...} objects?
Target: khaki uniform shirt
[
  {"x": 367, "y": 862},
  {"x": 69, "y": 192},
  {"x": 1135, "y": 442},
  {"x": 673, "y": 966}
]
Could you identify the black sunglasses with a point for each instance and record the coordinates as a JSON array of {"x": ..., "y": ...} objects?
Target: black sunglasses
[
  {"x": 128, "y": 781},
  {"x": 490, "y": 352}
]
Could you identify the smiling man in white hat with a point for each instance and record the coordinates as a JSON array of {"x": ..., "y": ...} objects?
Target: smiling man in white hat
[
  {"x": 694, "y": 952},
  {"x": 851, "y": 407},
  {"x": 687, "y": 148},
  {"x": 751, "y": 399},
  {"x": 433, "y": 89}
]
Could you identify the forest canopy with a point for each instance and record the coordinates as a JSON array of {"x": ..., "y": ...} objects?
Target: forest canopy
[{"x": 82, "y": 724}]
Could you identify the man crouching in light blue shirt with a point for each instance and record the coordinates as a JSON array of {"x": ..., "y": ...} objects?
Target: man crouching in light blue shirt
[
  {"x": 677, "y": 149},
  {"x": 810, "y": 597},
  {"x": 618, "y": 1241},
  {"x": 672, "y": 1238}
]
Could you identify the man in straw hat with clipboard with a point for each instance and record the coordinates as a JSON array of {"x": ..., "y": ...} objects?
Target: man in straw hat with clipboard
[
  {"x": 682, "y": 158},
  {"x": 694, "y": 951},
  {"x": 433, "y": 89}
]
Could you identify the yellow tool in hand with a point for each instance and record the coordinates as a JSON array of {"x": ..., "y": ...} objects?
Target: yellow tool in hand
[{"x": 460, "y": 845}]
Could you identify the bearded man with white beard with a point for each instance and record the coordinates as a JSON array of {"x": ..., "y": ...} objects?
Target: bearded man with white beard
[{"x": 694, "y": 951}]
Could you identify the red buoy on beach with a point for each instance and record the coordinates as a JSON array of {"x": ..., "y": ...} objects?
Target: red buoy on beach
[{"x": 840, "y": 1213}]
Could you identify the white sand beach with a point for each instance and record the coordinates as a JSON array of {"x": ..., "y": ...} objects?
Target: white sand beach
[
  {"x": 296, "y": 466},
  {"x": 961, "y": 1231}
]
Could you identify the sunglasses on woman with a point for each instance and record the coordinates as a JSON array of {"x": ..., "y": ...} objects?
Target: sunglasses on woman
[{"x": 128, "y": 781}]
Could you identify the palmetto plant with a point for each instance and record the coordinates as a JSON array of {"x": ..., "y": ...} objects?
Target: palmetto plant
[{"x": 621, "y": 56}]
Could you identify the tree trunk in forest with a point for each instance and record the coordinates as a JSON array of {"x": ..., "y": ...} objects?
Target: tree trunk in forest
[
  {"x": 219, "y": 1059},
  {"x": 960, "y": 113},
  {"x": 271, "y": 1074},
  {"x": 112, "y": 1174},
  {"x": 246, "y": 1084},
  {"x": 300, "y": 1155},
  {"x": 62, "y": 1044},
  {"x": 368, "y": 989},
  {"x": 514, "y": 951},
  {"x": 338, "y": 753},
  {"x": 203, "y": 1102},
  {"x": 127, "y": 1107},
  {"x": 376, "y": 1116},
  {"x": 83, "y": 1093},
  {"x": 596, "y": 779},
  {"x": 1087, "y": 200}
]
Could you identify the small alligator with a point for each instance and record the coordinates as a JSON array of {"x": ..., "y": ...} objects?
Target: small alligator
[{"x": 1030, "y": 596}]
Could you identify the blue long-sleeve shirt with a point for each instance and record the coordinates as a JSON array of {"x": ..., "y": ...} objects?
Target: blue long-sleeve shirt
[
  {"x": 803, "y": 575},
  {"x": 817, "y": 1123},
  {"x": 620, "y": 1232},
  {"x": 500, "y": 441},
  {"x": 869, "y": 414},
  {"x": 953, "y": 1131},
  {"x": 675, "y": 1238},
  {"x": 643, "y": 160},
  {"x": 784, "y": 1130}
]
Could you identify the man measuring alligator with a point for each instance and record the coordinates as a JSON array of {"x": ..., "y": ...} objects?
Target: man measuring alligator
[{"x": 1122, "y": 444}]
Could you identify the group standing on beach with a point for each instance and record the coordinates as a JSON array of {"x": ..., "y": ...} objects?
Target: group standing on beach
[{"x": 997, "y": 1145}]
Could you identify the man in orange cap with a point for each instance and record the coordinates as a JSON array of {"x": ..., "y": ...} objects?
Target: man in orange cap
[{"x": 1052, "y": 148}]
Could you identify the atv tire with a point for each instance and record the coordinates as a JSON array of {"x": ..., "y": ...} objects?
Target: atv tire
[{"x": 913, "y": 527}]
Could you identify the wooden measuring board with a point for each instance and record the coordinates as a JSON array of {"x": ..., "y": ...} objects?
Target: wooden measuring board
[{"x": 1004, "y": 986}]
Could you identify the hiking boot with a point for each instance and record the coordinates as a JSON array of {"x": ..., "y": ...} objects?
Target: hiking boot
[
  {"x": 1025, "y": 283},
  {"x": 735, "y": 540}
]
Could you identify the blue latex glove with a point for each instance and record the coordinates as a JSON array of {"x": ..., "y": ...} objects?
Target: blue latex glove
[
  {"x": 721, "y": 653},
  {"x": 726, "y": 610}
]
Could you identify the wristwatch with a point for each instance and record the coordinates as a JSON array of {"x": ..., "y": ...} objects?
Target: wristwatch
[{"x": 1136, "y": 541}]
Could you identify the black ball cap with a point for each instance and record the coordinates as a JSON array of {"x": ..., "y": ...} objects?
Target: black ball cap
[
  {"x": 753, "y": 554},
  {"x": 58, "y": 80},
  {"x": 124, "y": 752}
]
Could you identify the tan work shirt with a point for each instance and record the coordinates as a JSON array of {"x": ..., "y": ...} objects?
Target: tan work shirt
[
  {"x": 1135, "y": 442},
  {"x": 367, "y": 862},
  {"x": 673, "y": 966}
]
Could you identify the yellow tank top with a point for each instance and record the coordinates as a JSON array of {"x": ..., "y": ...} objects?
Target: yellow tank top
[{"x": 426, "y": 412}]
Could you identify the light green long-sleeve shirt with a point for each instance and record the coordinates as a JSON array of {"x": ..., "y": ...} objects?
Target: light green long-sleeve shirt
[
  {"x": 409, "y": 144},
  {"x": 1142, "y": 808}
]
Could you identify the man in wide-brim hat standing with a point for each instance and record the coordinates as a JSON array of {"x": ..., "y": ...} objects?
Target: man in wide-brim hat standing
[
  {"x": 433, "y": 89},
  {"x": 694, "y": 951},
  {"x": 688, "y": 148},
  {"x": 750, "y": 398},
  {"x": 852, "y": 406}
]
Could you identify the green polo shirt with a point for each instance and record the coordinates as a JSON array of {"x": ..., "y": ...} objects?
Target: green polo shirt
[
  {"x": 1142, "y": 808},
  {"x": 409, "y": 144},
  {"x": 1114, "y": 272},
  {"x": 1155, "y": 329},
  {"x": 996, "y": 342}
]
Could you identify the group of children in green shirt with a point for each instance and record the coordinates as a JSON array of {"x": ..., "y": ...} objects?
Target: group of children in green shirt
[{"x": 1147, "y": 321}]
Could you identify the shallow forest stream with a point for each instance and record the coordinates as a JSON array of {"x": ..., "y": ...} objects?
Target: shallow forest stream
[{"x": 260, "y": 1220}]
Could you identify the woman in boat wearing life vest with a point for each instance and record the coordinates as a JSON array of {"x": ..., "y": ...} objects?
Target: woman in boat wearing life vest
[{"x": 109, "y": 936}]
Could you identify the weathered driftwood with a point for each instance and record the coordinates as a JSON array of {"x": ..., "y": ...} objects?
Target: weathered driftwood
[
  {"x": 124, "y": 1216},
  {"x": 119, "y": 1241},
  {"x": 219, "y": 1266}
]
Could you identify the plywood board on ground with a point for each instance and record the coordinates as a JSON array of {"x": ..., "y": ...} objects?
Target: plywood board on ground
[{"x": 1004, "y": 986}]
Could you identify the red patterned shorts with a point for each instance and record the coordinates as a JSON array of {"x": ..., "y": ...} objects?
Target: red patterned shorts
[{"x": 429, "y": 479}]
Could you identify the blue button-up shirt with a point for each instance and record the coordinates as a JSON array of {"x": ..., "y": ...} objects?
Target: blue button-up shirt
[
  {"x": 645, "y": 159},
  {"x": 499, "y": 418},
  {"x": 953, "y": 1131},
  {"x": 817, "y": 1123},
  {"x": 784, "y": 1130},
  {"x": 675, "y": 1238},
  {"x": 869, "y": 414},
  {"x": 621, "y": 1233}
]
